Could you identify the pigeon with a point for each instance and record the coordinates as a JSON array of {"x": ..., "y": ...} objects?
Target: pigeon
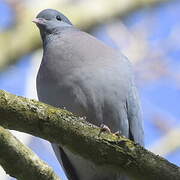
[{"x": 87, "y": 77}]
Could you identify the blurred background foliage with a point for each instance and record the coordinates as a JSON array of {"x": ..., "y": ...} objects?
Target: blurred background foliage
[{"x": 146, "y": 31}]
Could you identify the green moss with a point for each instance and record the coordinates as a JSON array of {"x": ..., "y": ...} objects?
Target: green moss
[{"x": 64, "y": 128}]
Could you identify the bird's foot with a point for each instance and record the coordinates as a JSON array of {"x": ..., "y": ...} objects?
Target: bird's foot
[
  {"x": 118, "y": 133},
  {"x": 104, "y": 128}
]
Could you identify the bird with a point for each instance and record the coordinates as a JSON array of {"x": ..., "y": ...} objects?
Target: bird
[{"x": 89, "y": 78}]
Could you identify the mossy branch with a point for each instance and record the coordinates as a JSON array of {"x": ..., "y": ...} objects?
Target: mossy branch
[
  {"x": 62, "y": 127},
  {"x": 20, "y": 162}
]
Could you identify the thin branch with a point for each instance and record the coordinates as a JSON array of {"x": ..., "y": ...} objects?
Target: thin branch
[
  {"x": 168, "y": 143},
  {"x": 20, "y": 162},
  {"x": 62, "y": 127}
]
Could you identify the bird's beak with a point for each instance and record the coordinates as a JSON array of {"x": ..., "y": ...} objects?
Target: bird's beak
[{"x": 38, "y": 21}]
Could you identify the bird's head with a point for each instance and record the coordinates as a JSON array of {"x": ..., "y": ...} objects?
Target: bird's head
[{"x": 50, "y": 21}]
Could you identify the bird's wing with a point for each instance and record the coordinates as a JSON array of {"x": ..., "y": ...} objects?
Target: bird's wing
[
  {"x": 134, "y": 114},
  {"x": 65, "y": 162}
]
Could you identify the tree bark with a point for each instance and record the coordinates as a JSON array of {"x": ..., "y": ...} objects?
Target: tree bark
[
  {"x": 60, "y": 126},
  {"x": 20, "y": 162}
]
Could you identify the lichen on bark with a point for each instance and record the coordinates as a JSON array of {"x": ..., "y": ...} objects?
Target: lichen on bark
[{"x": 62, "y": 127}]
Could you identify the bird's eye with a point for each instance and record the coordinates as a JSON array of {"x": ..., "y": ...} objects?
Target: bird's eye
[{"x": 58, "y": 18}]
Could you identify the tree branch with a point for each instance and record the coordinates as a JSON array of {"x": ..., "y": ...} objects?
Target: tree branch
[
  {"x": 62, "y": 127},
  {"x": 20, "y": 162}
]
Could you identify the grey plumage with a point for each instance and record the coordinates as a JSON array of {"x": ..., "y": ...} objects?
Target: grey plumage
[{"x": 90, "y": 79}]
